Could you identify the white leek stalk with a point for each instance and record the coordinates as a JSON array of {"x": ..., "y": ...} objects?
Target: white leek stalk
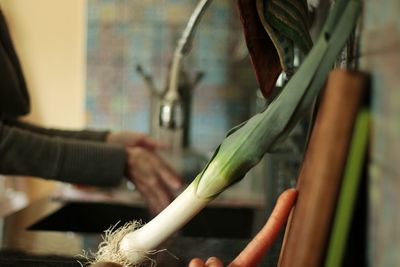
[
  {"x": 173, "y": 217},
  {"x": 246, "y": 144}
]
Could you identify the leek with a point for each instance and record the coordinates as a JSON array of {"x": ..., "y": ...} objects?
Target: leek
[{"x": 243, "y": 147}]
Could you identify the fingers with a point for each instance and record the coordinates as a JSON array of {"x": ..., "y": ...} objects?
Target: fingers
[
  {"x": 152, "y": 144},
  {"x": 153, "y": 177},
  {"x": 105, "y": 264},
  {"x": 132, "y": 139},
  {"x": 137, "y": 139},
  {"x": 155, "y": 194},
  {"x": 196, "y": 262},
  {"x": 211, "y": 262},
  {"x": 167, "y": 174},
  {"x": 214, "y": 262},
  {"x": 165, "y": 171}
]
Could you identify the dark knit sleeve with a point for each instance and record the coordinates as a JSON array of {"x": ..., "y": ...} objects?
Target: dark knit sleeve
[
  {"x": 14, "y": 97},
  {"x": 86, "y": 134},
  {"x": 69, "y": 160}
]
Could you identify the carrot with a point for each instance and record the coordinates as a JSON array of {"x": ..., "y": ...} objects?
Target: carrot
[{"x": 261, "y": 243}]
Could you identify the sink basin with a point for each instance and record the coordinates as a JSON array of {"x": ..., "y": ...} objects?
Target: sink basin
[
  {"x": 86, "y": 217},
  {"x": 90, "y": 217}
]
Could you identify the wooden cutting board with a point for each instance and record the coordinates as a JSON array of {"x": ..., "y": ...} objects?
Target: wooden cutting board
[{"x": 322, "y": 169}]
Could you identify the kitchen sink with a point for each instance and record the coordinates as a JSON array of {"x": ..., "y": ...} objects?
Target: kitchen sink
[{"x": 95, "y": 217}]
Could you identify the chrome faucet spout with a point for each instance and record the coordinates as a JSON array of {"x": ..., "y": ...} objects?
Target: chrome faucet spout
[{"x": 171, "y": 111}]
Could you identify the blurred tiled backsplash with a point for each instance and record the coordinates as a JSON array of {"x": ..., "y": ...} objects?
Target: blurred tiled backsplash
[{"x": 122, "y": 34}]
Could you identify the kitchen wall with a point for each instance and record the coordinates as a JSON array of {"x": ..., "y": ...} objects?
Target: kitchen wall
[
  {"x": 49, "y": 38},
  {"x": 380, "y": 56}
]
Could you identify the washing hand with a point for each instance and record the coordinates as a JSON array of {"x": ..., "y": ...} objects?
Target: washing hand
[
  {"x": 133, "y": 139},
  {"x": 153, "y": 177}
]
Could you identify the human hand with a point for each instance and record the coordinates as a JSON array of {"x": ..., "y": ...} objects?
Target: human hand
[
  {"x": 105, "y": 264},
  {"x": 211, "y": 262},
  {"x": 132, "y": 139},
  {"x": 153, "y": 177},
  {"x": 254, "y": 251}
]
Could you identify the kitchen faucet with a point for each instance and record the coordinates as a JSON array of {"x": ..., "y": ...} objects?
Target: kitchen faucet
[{"x": 172, "y": 111}]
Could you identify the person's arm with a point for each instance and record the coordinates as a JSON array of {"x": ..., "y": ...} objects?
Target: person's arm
[
  {"x": 27, "y": 153},
  {"x": 86, "y": 134},
  {"x": 69, "y": 160}
]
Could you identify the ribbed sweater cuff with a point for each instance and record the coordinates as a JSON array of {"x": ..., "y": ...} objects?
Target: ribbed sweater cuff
[{"x": 91, "y": 163}]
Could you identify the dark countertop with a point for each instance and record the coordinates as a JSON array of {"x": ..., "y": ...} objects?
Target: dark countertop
[{"x": 24, "y": 245}]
